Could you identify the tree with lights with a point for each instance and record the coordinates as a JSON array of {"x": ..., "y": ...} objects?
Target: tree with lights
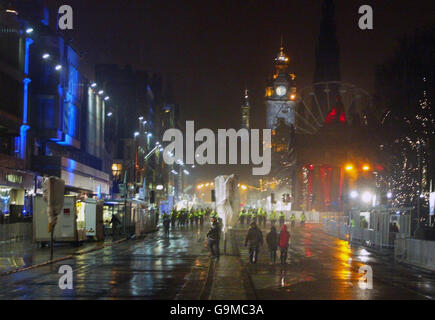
[{"x": 405, "y": 86}]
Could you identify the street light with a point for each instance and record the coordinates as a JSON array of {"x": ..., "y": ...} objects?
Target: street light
[
  {"x": 366, "y": 197},
  {"x": 389, "y": 195},
  {"x": 93, "y": 85},
  {"x": 136, "y": 134},
  {"x": 45, "y": 56},
  {"x": 100, "y": 92},
  {"x": 109, "y": 114},
  {"x": 29, "y": 30},
  {"x": 58, "y": 67},
  {"x": 353, "y": 194},
  {"x": 349, "y": 167}
]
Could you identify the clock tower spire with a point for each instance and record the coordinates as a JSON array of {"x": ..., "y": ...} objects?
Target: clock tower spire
[{"x": 280, "y": 92}]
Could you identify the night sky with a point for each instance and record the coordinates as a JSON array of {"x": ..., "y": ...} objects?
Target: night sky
[{"x": 212, "y": 49}]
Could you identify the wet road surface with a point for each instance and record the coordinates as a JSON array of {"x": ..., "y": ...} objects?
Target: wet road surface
[
  {"x": 323, "y": 267},
  {"x": 150, "y": 268},
  {"x": 319, "y": 267}
]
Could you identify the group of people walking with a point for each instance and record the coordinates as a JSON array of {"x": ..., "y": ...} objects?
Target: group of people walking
[
  {"x": 254, "y": 236},
  {"x": 254, "y": 241}
]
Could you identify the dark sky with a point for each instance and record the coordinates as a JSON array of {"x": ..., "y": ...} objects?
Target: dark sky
[{"x": 211, "y": 49}]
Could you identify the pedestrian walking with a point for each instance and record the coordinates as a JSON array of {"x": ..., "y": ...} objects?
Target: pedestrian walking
[
  {"x": 213, "y": 237},
  {"x": 115, "y": 227},
  {"x": 166, "y": 224},
  {"x": 254, "y": 240},
  {"x": 272, "y": 240},
  {"x": 284, "y": 238}
]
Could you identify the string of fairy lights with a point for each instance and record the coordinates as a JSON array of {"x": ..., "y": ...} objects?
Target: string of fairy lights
[{"x": 409, "y": 157}]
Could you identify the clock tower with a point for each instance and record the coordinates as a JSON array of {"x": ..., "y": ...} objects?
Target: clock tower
[{"x": 281, "y": 93}]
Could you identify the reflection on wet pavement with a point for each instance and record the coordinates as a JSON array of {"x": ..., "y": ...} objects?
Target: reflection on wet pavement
[
  {"x": 152, "y": 268},
  {"x": 323, "y": 267}
]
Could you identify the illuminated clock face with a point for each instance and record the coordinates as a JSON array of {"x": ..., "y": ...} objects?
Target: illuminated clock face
[{"x": 281, "y": 90}]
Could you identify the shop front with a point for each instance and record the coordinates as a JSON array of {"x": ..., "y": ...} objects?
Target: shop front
[{"x": 16, "y": 190}]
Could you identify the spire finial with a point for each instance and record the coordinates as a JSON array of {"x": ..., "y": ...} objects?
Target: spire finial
[{"x": 282, "y": 48}]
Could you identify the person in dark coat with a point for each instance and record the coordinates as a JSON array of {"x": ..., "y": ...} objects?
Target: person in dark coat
[
  {"x": 115, "y": 227},
  {"x": 272, "y": 243},
  {"x": 284, "y": 238},
  {"x": 213, "y": 237},
  {"x": 254, "y": 238},
  {"x": 166, "y": 224}
]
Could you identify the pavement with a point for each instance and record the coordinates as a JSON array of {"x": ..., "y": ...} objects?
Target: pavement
[
  {"x": 179, "y": 267},
  {"x": 155, "y": 267},
  {"x": 16, "y": 256}
]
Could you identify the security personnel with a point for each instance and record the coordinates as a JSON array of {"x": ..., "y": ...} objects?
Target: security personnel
[
  {"x": 302, "y": 218},
  {"x": 248, "y": 217},
  {"x": 272, "y": 217},
  {"x": 292, "y": 220},
  {"x": 173, "y": 217},
  {"x": 281, "y": 218},
  {"x": 254, "y": 216},
  {"x": 242, "y": 217}
]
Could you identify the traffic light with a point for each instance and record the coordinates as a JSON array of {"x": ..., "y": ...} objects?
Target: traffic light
[{"x": 286, "y": 198}]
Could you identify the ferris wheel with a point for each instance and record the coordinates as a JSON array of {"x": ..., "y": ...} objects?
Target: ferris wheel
[{"x": 322, "y": 101}]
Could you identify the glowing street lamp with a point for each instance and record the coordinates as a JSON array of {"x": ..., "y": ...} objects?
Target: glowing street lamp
[
  {"x": 45, "y": 56},
  {"x": 349, "y": 167},
  {"x": 366, "y": 167},
  {"x": 366, "y": 197},
  {"x": 353, "y": 194}
]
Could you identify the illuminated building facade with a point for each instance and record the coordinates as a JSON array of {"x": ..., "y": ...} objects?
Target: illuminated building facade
[{"x": 16, "y": 181}]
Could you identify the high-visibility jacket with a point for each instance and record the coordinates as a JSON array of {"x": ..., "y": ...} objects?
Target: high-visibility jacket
[
  {"x": 302, "y": 217},
  {"x": 292, "y": 217},
  {"x": 241, "y": 214},
  {"x": 281, "y": 215},
  {"x": 273, "y": 215}
]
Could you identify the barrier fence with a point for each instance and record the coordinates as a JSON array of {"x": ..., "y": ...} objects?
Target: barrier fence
[
  {"x": 367, "y": 237},
  {"x": 416, "y": 252}
]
